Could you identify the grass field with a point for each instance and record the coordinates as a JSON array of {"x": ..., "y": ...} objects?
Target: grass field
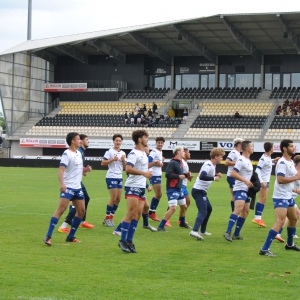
[{"x": 168, "y": 265}]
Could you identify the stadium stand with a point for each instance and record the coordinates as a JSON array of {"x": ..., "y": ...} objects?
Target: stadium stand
[
  {"x": 157, "y": 93},
  {"x": 285, "y": 93}
]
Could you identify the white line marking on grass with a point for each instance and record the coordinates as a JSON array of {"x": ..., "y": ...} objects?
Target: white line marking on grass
[{"x": 7, "y": 206}]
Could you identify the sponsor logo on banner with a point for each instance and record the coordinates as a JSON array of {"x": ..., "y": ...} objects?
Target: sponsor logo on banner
[{"x": 226, "y": 145}]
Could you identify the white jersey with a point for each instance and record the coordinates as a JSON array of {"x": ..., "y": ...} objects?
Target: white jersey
[
  {"x": 115, "y": 168},
  {"x": 285, "y": 168},
  {"x": 186, "y": 169},
  {"x": 296, "y": 186},
  {"x": 73, "y": 163},
  {"x": 232, "y": 156},
  {"x": 138, "y": 160},
  {"x": 210, "y": 169},
  {"x": 155, "y": 155},
  {"x": 244, "y": 167},
  {"x": 264, "y": 168}
]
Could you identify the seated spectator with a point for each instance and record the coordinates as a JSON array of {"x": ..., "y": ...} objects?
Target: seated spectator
[
  {"x": 132, "y": 118},
  {"x": 286, "y": 103},
  {"x": 138, "y": 118},
  {"x": 237, "y": 115},
  {"x": 184, "y": 116},
  {"x": 125, "y": 117},
  {"x": 137, "y": 107},
  {"x": 149, "y": 113},
  {"x": 278, "y": 110}
]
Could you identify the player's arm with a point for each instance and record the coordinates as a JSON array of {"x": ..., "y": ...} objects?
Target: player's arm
[
  {"x": 237, "y": 176},
  {"x": 131, "y": 170},
  {"x": 106, "y": 162},
  {"x": 61, "y": 171},
  {"x": 170, "y": 171},
  {"x": 229, "y": 162},
  {"x": 281, "y": 179}
]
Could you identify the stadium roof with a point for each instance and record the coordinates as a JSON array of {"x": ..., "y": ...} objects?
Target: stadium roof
[{"x": 229, "y": 34}]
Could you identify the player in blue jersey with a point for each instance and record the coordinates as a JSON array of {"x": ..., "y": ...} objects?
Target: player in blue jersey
[
  {"x": 242, "y": 172},
  {"x": 69, "y": 175},
  {"x": 284, "y": 204},
  {"x": 206, "y": 176},
  {"x": 68, "y": 221}
]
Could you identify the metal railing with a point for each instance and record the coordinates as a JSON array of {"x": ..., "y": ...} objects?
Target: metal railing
[{"x": 269, "y": 119}]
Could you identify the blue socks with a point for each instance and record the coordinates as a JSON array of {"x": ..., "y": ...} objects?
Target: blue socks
[
  {"x": 114, "y": 209},
  {"x": 131, "y": 230},
  {"x": 239, "y": 224},
  {"x": 259, "y": 208},
  {"x": 145, "y": 219},
  {"x": 290, "y": 235},
  {"x": 124, "y": 231},
  {"x": 53, "y": 222},
  {"x": 271, "y": 236},
  {"x": 162, "y": 223},
  {"x": 75, "y": 224},
  {"x": 154, "y": 204},
  {"x": 182, "y": 220},
  {"x": 108, "y": 209},
  {"x": 232, "y": 219}
]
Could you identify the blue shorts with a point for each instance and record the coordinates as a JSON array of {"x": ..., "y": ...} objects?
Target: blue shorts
[
  {"x": 241, "y": 195},
  {"x": 132, "y": 192},
  {"x": 231, "y": 181},
  {"x": 285, "y": 203},
  {"x": 72, "y": 194},
  {"x": 184, "y": 190},
  {"x": 175, "y": 197},
  {"x": 114, "y": 183},
  {"x": 155, "y": 180}
]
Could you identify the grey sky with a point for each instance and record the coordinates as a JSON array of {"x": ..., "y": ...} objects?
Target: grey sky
[{"x": 63, "y": 17}]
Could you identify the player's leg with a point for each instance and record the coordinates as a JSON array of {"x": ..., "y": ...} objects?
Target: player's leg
[
  {"x": 260, "y": 205},
  {"x": 62, "y": 206},
  {"x": 241, "y": 220},
  {"x": 205, "y": 221},
  {"x": 145, "y": 215},
  {"x": 84, "y": 223},
  {"x": 291, "y": 227},
  {"x": 157, "y": 196}
]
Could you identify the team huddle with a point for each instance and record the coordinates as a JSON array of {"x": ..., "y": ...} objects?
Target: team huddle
[{"x": 142, "y": 164}]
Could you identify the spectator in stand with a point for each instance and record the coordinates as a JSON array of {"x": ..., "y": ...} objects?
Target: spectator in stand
[
  {"x": 154, "y": 108},
  {"x": 137, "y": 107},
  {"x": 132, "y": 118},
  {"x": 184, "y": 116},
  {"x": 125, "y": 117},
  {"x": 138, "y": 117},
  {"x": 149, "y": 113},
  {"x": 237, "y": 115},
  {"x": 278, "y": 110},
  {"x": 144, "y": 108}
]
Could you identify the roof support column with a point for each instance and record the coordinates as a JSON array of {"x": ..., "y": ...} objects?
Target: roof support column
[
  {"x": 172, "y": 75},
  {"x": 216, "y": 76},
  {"x": 262, "y": 73}
]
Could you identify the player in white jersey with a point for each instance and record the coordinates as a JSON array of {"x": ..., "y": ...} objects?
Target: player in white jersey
[
  {"x": 69, "y": 175},
  {"x": 242, "y": 172},
  {"x": 284, "y": 204},
  {"x": 206, "y": 176},
  {"x": 263, "y": 171},
  {"x": 137, "y": 168},
  {"x": 230, "y": 162},
  {"x": 156, "y": 155},
  {"x": 115, "y": 159}
]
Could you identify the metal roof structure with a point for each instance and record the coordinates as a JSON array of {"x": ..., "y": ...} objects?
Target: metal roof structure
[{"x": 229, "y": 34}]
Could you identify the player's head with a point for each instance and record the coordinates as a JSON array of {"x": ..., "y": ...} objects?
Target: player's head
[
  {"x": 84, "y": 140},
  {"x": 268, "y": 146},
  {"x": 216, "y": 152},
  {"x": 117, "y": 135},
  {"x": 179, "y": 152},
  {"x": 187, "y": 153},
  {"x": 286, "y": 144},
  {"x": 237, "y": 142},
  {"x": 246, "y": 145},
  {"x": 297, "y": 160},
  {"x": 71, "y": 136},
  {"x": 139, "y": 135}
]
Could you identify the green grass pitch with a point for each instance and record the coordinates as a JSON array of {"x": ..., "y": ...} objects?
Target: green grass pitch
[{"x": 168, "y": 265}]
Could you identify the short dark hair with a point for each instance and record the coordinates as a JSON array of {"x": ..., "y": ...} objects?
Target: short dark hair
[
  {"x": 245, "y": 144},
  {"x": 117, "y": 135},
  {"x": 185, "y": 149},
  {"x": 268, "y": 146},
  {"x": 285, "y": 143},
  {"x": 83, "y": 136},
  {"x": 70, "y": 137},
  {"x": 138, "y": 134},
  {"x": 160, "y": 139}
]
